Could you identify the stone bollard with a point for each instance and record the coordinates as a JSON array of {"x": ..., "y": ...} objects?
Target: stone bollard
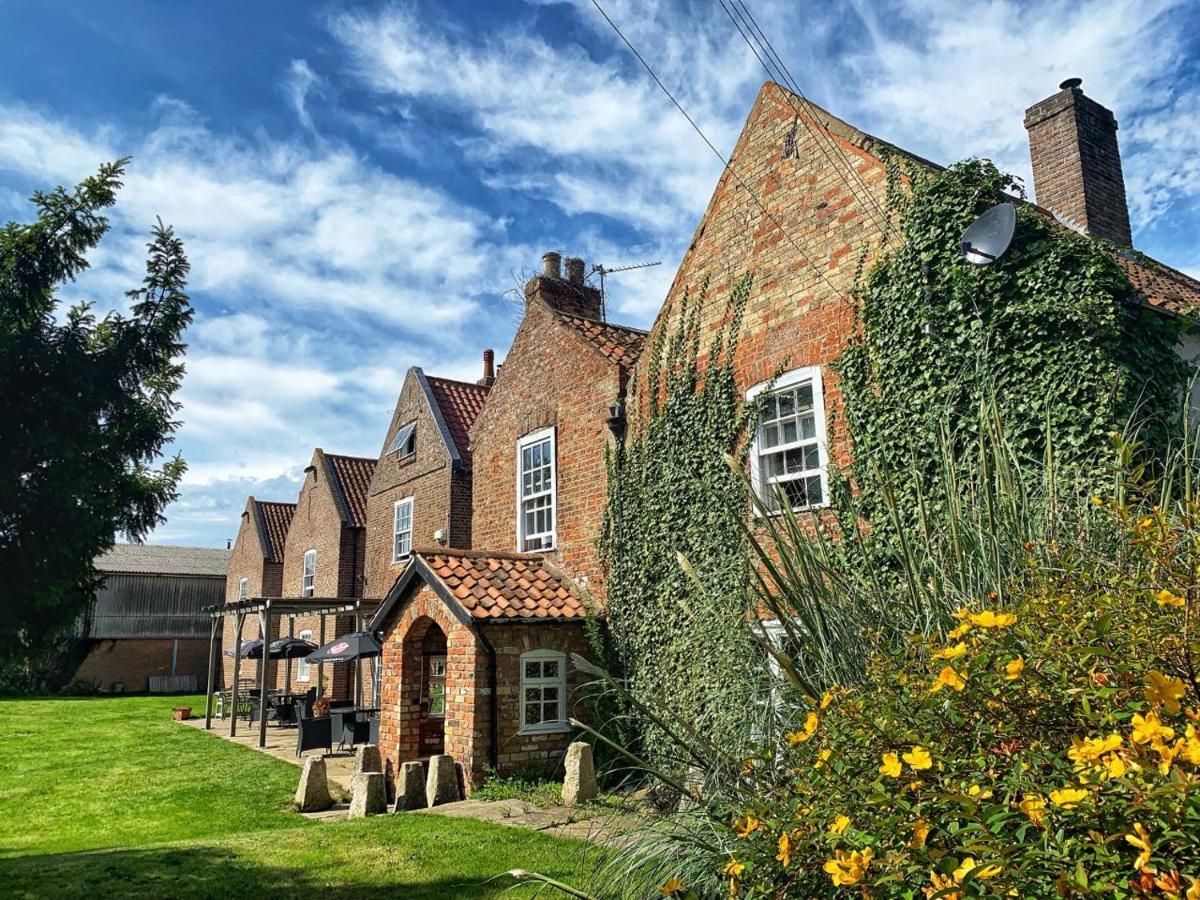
[
  {"x": 441, "y": 786},
  {"x": 579, "y": 785},
  {"x": 312, "y": 794},
  {"x": 368, "y": 795},
  {"x": 410, "y": 787},
  {"x": 367, "y": 759}
]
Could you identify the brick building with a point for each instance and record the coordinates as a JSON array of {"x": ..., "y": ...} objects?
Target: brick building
[
  {"x": 420, "y": 491},
  {"x": 255, "y": 570},
  {"x": 478, "y": 642},
  {"x": 794, "y": 157},
  {"x": 147, "y": 629}
]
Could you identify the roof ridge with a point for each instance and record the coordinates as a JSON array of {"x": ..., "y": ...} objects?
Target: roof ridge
[
  {"x": 472, "y": 384},
  {"x": 370, "y": 459},
  {"x": 603, "y": 322}
]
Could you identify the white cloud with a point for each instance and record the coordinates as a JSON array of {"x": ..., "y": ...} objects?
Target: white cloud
[{"x": 301, "y": 80}]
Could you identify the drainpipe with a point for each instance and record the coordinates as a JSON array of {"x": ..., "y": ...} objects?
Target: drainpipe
[{"x": 494, "y": 705}]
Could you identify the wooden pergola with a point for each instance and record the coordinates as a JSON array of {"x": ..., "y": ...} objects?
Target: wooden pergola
[{"x": 268, "y": 610}]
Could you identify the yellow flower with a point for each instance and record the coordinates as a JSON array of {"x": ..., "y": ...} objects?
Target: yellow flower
[
  {"x": 978, "y": 793},
  {"x": 827, "y": 698},
  {"x": 785, "y": 850},
  {"x": 958, "y": 632},
  {"x": 824, "y": 758},
  {"x": 1148, "y": 728},
  {"x": 891, "y": 765},
  {"x": 1035, "y": 808},
  {"x": 810, "y": 727},
  {"x": 1165, "y": 691},
  {"x": 991, "y": 619},
  {"x": 918, "y": 758},
  {"x": 969, "y": 866},
  {"x": 672, "y": 886},
  {"x": 748, "y": 827},
  {"x": 920, "y": 833},
  {"x": 1140, "y": 839},
  {"x": 1067, "y": 797},
  {"x": 1097, "y": 501},
  {"x": 1166, "y": 598},
  {"x": 948, "y": 678},
  {"x": 1191, "y": 746},
  {"x": 1193, "y": 891},
  {"x": 1014, "y": 668},
  {"x": 734, "y": 868},
  {"x": 954, "y": 652},
  {"x": 839, "y": 825},
  {"x": 848, "y": 868},
  {"x": 941, "y": 887}
]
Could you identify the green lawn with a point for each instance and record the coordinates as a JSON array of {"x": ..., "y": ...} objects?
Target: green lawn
[{"x": 107, "y": 796}]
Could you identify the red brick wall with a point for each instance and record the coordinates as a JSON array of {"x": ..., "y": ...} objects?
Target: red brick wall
[
  {"x": 550, "y": 377},
  {"x": 795, "y": 316},
  {"x": 468, "y": 703},
  {"x": 131, "y": 661},
  {"x": 264, "y": 579},
  {"x": 425, "y": 476}
]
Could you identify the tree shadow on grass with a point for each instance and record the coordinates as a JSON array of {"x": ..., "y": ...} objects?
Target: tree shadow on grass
[{"x": 216, "y": 872}]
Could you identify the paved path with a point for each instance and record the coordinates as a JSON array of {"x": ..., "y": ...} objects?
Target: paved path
[
  {"x": 586, "y": 823},
  {"x": 281, "y": 744}
]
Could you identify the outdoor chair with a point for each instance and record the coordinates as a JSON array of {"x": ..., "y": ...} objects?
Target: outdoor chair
[
  {"x": 313, "y": 733},
  {"x": 356, "y": 728}
]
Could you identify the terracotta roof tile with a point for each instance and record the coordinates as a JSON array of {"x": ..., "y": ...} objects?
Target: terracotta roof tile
[
  {"x": 617, "y": 343},
  {"x": 461, "y": 403},
  {"x": 276, "y": 517},
  {"x": 353, "y": 477},
  {"x": 505, "y": 585},
  {"x": 1160, "y": 285}
]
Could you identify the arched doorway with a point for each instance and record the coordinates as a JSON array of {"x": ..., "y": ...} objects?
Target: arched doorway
[{"x": 423, "y": 691}]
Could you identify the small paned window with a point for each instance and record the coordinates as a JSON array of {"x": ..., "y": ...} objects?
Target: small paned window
[
  {"x": 436, "y": 693},
  {"x": 309, "y": 579},
  {"x": 543, "y": 691},
  {"x": 402, "y": 529},
  {"x": 536, "y": 491},
  {"x": 243, "y": 588},
  {"x": 303, "y": 667},
  {"x": 405, "y": 442},
  {"x": 788, "y": 456}
]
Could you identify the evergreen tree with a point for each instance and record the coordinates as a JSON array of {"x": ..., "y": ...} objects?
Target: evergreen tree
[{"x": 87, "y": 406}]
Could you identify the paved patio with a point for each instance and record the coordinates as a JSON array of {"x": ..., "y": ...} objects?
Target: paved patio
[{"x": 281, "y": 744}]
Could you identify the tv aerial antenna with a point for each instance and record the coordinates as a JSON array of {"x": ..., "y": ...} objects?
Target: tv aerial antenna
[
  {"x": 602, "y": 271},
  {"x": 989, "y": 235}
]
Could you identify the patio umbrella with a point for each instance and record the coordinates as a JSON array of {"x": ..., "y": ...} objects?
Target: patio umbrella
[
  {"x": 290, "y": 648},
  {"x": 249, "y": 650},
  {"x": 357, "y": 645},
  {"x": 349, "y": 648}
]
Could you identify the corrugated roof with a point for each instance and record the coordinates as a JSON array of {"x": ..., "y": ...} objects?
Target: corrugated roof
[
  {"x": 460, "y": 402},
  {"x": 352, "y": 478},
  {"x": 617, "y": 343},
  {"x": 276, "y": 518},
  {"x": 164, "y": 559}
]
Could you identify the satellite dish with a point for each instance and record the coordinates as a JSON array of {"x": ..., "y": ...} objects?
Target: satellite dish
[{"x": 989, "y": 235}]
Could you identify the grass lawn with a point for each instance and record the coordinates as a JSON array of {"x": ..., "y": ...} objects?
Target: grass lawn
[{"x": 108, "y": 796}]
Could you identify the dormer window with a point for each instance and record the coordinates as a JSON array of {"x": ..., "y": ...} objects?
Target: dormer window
[{"x": 404, "y": 444}]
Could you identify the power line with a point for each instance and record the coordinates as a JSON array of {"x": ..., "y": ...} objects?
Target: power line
[
  {"x": 778, "y": 71},
  {"x": 808, "y": 257}
]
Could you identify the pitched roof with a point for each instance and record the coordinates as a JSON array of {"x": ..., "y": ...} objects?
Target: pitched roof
[
  {"x": 616, "y": 343},
  {"x": 1159, "y": 285},
  {"x": 274, "y": 519},
  {"x": 351, "y": 476},
  {"x": 490, "y": 586},
  {"x": 460, "y": 403},
  {"x": 161, "y": 559}
]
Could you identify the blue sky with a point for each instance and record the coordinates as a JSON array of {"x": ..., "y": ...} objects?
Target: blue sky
[{"x": 362, "y": 186}]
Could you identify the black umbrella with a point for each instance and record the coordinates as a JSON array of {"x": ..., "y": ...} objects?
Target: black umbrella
[
  {"x": 357, "y": 645},
  {"x": 250, "y": 650},
  {"x": 290, "y": 648}
]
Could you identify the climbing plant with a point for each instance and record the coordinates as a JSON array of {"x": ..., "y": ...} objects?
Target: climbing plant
[
  {"x": 676, "y": 558},
  {"x": 1048, "y": 330}
]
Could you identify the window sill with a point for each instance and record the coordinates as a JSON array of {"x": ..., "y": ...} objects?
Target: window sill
[{"x": 556, "y": 728}]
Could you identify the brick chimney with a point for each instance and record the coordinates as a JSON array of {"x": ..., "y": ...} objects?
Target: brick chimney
[
  {"x": 1076, "y": 162},
  {"x": 489, "y": 368},
  {"x": 570, "y": 295}
]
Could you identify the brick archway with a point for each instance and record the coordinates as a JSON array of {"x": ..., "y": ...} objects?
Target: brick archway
[{"x": 422, "y": 709}]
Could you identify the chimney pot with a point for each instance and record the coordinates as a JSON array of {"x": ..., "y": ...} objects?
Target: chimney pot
[
  {"x": 575, "y": 270},
  {"x": 551, "y": 264},
  {"x": 489, "y": 368},
  {"x": 1071, "y": 83}
]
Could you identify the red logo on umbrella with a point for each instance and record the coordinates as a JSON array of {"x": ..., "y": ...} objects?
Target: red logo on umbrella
[{"x": 339, "y": 648}]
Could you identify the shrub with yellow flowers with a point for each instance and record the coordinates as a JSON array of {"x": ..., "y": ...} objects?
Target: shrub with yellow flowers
[{"x": 1046, "y": 747}]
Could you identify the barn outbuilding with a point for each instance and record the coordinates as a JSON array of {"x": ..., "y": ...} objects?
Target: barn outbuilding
[{"x": 147, "y": 627}]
